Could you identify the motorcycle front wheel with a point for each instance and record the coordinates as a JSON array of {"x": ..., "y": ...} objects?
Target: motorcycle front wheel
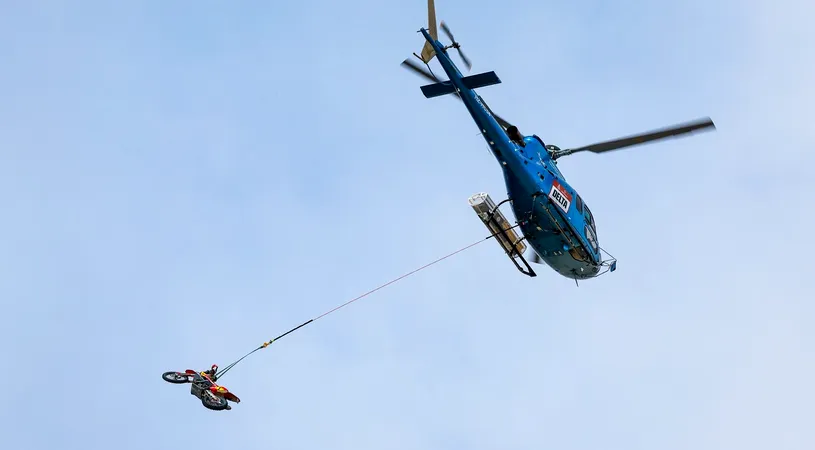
[
  {"x": 176, "y": 377},
  {"x": 214, "y": 402}
]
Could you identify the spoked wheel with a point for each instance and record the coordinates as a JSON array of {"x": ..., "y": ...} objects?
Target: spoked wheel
[
  {"x": 176, "y": 377},
  {"x": 214, "y": 402}
]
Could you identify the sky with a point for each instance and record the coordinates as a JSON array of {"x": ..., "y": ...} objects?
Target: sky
[{"x": 182, "y": 181}]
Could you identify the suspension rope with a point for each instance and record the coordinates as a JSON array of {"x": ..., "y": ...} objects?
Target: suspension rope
[{"x": 266, "y": 344}]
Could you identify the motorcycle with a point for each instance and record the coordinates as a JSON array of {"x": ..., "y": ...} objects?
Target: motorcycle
[{"x": 212, "y": 395}]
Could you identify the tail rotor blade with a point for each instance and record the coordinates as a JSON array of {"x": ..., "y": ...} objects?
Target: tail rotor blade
[
  {"x": 465, "y": 59},
  {"x": 447, "y": 31},
  {"x": 456, "y": 45}
]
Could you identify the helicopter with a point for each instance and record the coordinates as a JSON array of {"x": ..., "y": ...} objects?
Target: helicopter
[{"x": 552, "y": 218}]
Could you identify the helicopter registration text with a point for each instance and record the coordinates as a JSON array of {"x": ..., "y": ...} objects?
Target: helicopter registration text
[{"x": 560, "y": 196}]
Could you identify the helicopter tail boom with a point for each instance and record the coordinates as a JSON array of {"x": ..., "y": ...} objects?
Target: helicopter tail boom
[{"x": 470, "y": 82}]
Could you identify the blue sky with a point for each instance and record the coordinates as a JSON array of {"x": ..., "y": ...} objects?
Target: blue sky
[{"x": 184, "y": 180}]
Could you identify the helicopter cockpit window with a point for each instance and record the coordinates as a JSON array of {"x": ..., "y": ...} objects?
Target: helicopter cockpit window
[{"x": 589, "y": 217}]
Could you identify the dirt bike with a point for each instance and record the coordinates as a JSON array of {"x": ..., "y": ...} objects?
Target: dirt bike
[{"x": 212, "y": 396}]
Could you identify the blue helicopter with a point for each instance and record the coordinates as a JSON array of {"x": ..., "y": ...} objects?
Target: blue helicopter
[{"x": 553, "y": 219}]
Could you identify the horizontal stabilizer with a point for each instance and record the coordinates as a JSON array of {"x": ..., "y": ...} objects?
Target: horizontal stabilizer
[
  {"x": 471, "y": 82},
  {"x": 438, "y": 89},
  {"x": 480, "y": 80}
]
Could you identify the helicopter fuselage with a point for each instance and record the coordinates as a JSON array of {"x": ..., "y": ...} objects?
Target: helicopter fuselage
[{"x": 555, "y": 221}]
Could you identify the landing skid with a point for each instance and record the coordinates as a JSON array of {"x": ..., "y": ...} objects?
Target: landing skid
[
  {"x": 528, "y": 272},
  {"x": 502, "y": 231}
]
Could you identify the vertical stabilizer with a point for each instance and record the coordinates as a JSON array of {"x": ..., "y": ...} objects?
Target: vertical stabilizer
[{"x": 427, "y": 51}]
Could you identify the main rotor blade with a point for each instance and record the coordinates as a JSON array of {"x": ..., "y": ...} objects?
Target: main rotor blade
[
  {"x": 412, "y": 65},
  {"x": 535, "y": 258},
  {"x": 419, "y": 70},
  {"x": 637, "y": 139},
  {"x": 498, "y": 118}
]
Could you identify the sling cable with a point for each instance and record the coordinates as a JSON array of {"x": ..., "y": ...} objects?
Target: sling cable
[{"x": 268, "y": 343}]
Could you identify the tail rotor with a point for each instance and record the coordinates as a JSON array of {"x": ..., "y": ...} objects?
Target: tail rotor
[
  {"x": 428, "y": 54},
  {"x": 456, "y": 45}
]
